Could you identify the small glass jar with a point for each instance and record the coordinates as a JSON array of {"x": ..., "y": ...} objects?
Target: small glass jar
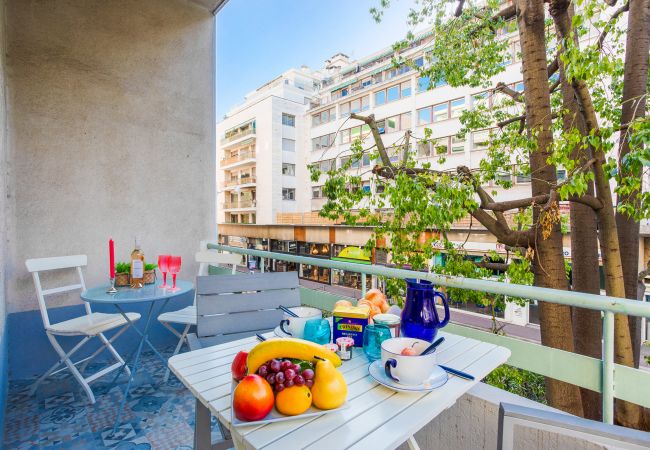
[
  {"x": 345, "y": 345},
  {"x": 391, "y": 321}
]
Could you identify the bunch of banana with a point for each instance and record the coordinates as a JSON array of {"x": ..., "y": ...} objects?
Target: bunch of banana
[{"x": 288, "y": 348}]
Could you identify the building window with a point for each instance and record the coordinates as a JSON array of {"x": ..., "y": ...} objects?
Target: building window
[
  {"x": 457, "y": 107},
  {"x": 423, "y": 84},
  {"x": 325, "y": 116},
  {"x": 289, "y": 169},
  {"x": 288, "y": 194},
  {"x": 480, "y": 140},
  {"x": 380, "y": 98},
  {"x": 317, "y": 192},
  {"x": 288, "y": 120},
  {"x": 354, "y": 133},
  {"x": 424, "y": 116},
  {"x": 327, "y": 164},
  {"x": 440, "y": 112},
  {"x": 522, "y": 179},
  {"x": 288, "y": 145},
  {"x": 392, "y": 124},
  {"x": 406, "y": 89},
  {"x": 346, "y": 160},
  {"x": 323, "y": 142},
  {"x": 457, "y": 144},
  {"x": 561, "y": 174},
  {"x": 405, "y": 121},
  {"x": 345, "y": 136},
  {"x": 366, "y": 186},
  {"x": 504, "y": 177},
  {"x": 393, "y": 93},
  {"x": 441, "y": 146},
  {"x": 355, "y": 106},
  {"x": 365, "y": 160}
]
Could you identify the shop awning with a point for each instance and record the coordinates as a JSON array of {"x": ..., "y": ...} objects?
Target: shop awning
[
  {"x": 354, "y": 254},
  {"x": 381, "y": 69},
  {"x": 342, "y": 85}
]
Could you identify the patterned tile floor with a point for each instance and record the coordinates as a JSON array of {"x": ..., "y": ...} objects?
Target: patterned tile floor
[{"x": 157, "y": 415}]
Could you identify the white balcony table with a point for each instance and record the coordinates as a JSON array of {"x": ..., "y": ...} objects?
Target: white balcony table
[{"x": 376, "y": 418}]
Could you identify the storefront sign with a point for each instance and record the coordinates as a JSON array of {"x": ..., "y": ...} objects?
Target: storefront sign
[{"x": 354, "y": 254}]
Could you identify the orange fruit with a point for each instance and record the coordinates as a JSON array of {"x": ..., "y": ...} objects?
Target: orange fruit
[
  {"x": 293, "y": 401},
  {"x": 374, "y": 310},
  {"x": 342, "y": 303},
  {"x": 364, "y": 301},
  {"x": 385, "y": 307}
]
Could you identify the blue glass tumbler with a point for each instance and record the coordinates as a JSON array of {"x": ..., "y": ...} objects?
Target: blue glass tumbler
[
  {"x": 318, "y": 331},
  {"x": 373, "y": 336}
]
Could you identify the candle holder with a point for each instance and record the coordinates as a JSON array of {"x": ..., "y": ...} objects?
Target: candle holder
[{"x": 112, "y": 290}]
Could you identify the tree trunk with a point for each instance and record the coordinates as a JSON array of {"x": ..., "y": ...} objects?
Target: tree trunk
[
  {"x": 555, "y": 320},
  {"x": 587, "y": 323},
  {"x": 634, "y": 101},
  {"x": 627, "y": 414}
]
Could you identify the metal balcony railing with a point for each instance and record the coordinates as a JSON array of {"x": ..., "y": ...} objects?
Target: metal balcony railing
[
  {"x": 239, "y": 204},
  {"x": 242, "y": 156},
  {"x": 239, "y": 181},
  {"x": 247, "y": 132},
  {"x": 605, "y": 376}
]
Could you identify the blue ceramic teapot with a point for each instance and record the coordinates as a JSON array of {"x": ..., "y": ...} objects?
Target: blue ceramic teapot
[{"x": 419, "y": 316}]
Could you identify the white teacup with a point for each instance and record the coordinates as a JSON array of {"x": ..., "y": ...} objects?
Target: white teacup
[
  {"x": 295, "y": 326},
  {"x": 409, "y": 370}
]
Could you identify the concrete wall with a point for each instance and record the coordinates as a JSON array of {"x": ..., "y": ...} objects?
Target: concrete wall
[
  {"x": 111, "y": 133},
  {"x": 472, "y": 423},
  {"x": 3, "y": 219}
]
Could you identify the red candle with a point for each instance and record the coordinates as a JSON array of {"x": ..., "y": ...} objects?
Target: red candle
[{"x": 111, "y": 257}]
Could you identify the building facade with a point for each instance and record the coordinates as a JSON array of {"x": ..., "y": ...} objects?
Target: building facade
[
  {"x": 401, "y": 101},
  {"x": 260, "y": 151}
]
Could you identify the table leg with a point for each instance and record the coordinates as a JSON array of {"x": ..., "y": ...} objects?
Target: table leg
[
  {"x": 413, "y": 445},
  {"x": 145, "y": 335},
  {"x": 202, "y": 427},
  {"x": 136, "y": 361}
]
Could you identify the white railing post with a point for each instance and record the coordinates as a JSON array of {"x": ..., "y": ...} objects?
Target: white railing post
[
  {"x": 608, "y": 367},
  {"x": 262, "y": 265},
  {"x": 363, "y": 284}
]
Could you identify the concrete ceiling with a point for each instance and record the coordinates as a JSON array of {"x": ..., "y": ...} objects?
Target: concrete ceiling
[{"x": 211, "y": 5}]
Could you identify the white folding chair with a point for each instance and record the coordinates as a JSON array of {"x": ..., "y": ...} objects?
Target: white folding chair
[
  {"x": 187, "y": 315},
  {"x": 92, "y": 324}
]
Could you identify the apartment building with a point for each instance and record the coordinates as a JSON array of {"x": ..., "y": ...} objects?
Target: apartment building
[
  {"x": 261, "y": 164},
  {"x": 401, "y": 101}
]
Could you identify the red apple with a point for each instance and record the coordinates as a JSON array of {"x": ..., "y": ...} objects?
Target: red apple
[
  {"x": 238, "y": 367},
  {"x": 408, "y": 351},
  {"x": 253, "y": 398}
]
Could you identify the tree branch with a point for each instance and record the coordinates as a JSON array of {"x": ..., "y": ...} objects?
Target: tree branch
[
  {"x": 370, "y": 121},
  {"x": 610, "y": 22},
  {"x": 459, "y": 8},
  {"x": 407, "y": 139},
  {"x": 502, "y": 87}
]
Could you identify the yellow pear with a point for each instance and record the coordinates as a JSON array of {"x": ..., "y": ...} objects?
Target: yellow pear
[{"x": 330, "y": 389}]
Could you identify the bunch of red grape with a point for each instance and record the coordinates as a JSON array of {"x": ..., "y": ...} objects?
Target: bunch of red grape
[{"x": 285, "y": 373}]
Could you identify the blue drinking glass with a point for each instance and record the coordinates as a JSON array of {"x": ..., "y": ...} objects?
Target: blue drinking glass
[
  {"x": 318, "y": 331},
  {"x": 373, "y": 336}
]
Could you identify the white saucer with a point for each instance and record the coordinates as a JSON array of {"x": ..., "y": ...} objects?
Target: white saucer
[
  {"x": 437, "y": 379},
  {"x": 279, "y": 333}
]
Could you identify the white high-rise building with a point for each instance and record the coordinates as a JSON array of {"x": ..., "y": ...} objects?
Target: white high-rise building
[{"x": 262, "y": 170}]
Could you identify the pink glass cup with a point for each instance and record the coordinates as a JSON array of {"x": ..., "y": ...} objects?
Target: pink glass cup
[
  {"x": 163, "y": 265},
  {"x": 174, "y": 268}
]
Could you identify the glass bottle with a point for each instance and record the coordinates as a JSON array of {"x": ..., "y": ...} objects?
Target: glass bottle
[{"x": 137, "y": 267}]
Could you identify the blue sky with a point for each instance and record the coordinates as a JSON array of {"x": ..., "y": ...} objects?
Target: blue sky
[{"x": 258, "y": 40}]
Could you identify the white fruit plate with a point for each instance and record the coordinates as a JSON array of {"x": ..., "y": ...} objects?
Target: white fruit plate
[{"x": 275, "y": 416}]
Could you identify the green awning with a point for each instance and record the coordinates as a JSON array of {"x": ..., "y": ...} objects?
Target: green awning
[
  {"x": 349, "y": 70},
  {"x": 342, "y": 85},
  {"x": 383, "y": 54},
  {"x": 381, "y": 69}
]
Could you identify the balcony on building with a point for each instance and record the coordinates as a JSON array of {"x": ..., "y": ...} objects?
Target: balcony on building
[{"x": 238, "y": 133}]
